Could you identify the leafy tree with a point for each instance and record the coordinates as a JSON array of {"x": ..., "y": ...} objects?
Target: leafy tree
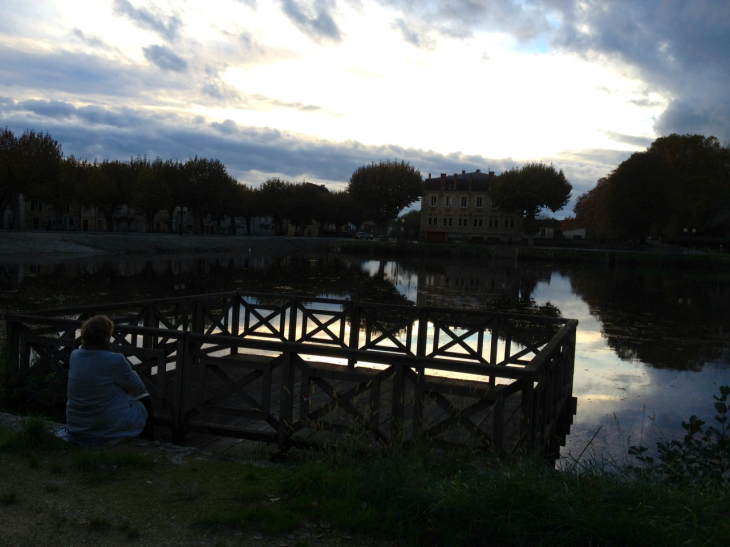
[
  {"x": 680, "y": 182},
  {"x": 205, "y": 182},
  {"x": 29, "y": 165},
  {"x": 343, "y": 209},
  {"x": 273, "y": 198},
  {"x": 411, "y": 224},
  {"x": 152, "y": 192},
  {"x": 385, "y": 189},
  {"x": 305, "y": 204},
  {"x": 530, "y": 189},
  {"x": 109, "y": 187}
]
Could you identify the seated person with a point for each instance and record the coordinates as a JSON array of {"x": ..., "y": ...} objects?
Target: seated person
[{"x": 106, "y": 398}]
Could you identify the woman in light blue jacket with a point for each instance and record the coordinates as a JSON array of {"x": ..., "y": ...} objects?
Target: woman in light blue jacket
[{"x": 105, "y": 395}]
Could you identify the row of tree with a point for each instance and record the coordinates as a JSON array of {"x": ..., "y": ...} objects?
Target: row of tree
[
  {"x": 33, "y": 164},
  {"x": 680, "y": 184}
]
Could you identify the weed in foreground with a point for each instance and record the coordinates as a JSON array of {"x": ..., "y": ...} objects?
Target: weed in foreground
[
  {"x": 99, "y": 524},
  {"x": 268, "y": 519},
  {"x": 86, "y": 460},
  {"x": 8, "y": 498},
  {"x": 702, "y": 457}
]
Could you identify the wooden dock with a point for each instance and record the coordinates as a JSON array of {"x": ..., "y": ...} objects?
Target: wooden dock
[{"x": 229, "y": 369}]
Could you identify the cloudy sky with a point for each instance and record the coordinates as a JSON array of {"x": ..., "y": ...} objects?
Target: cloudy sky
[{"x": 312, "y": 89}]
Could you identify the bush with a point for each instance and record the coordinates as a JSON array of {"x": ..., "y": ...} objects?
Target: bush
[{"x": 701, "y": 457}]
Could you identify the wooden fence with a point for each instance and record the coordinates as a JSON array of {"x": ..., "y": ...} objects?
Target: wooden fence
[{"x": 297, "y": 370}]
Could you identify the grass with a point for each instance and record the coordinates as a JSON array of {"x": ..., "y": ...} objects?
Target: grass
[{"x": 414, "y": 496}]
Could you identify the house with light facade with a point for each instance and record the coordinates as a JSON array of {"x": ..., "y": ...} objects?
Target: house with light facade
[{"x": 460, "y": 208}]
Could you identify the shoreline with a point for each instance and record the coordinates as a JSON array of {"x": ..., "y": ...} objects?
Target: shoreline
[{"x": 22, "y": 246}]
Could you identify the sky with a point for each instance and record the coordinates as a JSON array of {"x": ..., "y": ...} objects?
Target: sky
[{"x": 313, "y": 89}]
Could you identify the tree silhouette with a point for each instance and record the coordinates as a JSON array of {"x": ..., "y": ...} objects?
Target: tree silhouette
[
  {"x": 385, "y": 189},
  {"x": 530, "y": 189}
]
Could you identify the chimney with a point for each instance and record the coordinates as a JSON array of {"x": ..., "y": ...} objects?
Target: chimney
[
  {"x": 463, "y": 171},
  {"x": 456, "y": 181},
  {"x": 471, "y": 177},
  {"x": 443, "y": 181},
  {"x": 491, "y": 175},
  {"x": 478, "y": 171},
  {"x": 429, "y": 176}
]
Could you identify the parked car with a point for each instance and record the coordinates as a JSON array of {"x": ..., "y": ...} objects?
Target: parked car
[{"x": 364, "y": 235}]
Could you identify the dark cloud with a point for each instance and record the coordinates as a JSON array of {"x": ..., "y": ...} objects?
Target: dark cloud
[
  {"x": 79, "y": 73},
  {"x": 165, "y": 58},
  {"x": 677, "y": 47},
  {"x": 460, "y": 18},
  {"x": 164, "y": 26},
  {"x": 103, "y": 133},
  {"x": 419, "y": 40},
  {"x": 313, "y": 19},
  {"x": 681, "y": 117},
  {"x": 629, "y": 139},
  {"x": 92, "y": 41}
]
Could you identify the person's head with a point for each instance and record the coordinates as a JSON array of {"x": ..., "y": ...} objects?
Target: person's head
[{"x": 97, "y": 330}]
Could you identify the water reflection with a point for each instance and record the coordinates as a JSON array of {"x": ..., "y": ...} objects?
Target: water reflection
[{"x": 652, "y": 345}]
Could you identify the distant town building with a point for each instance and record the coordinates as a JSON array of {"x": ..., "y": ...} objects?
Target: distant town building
[{"x": 459, "y": 208}]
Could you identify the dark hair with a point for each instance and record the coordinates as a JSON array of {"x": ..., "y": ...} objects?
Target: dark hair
[{"x": 97, "y": 330}]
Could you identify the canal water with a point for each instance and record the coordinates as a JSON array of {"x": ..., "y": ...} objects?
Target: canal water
[{"x": 653, "y": 344}]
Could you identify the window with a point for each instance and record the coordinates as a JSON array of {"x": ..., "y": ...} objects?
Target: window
[
  {"x": 493, "y": 221},
  {"x": 432, "y": 220},
  {"x": 36, "y": 205},
  {"x": 463, "y": 201},
  {"x": 478, "y": 222},
  {"x": 463, "y": 222},
  {"x": 448, "y": 220},
  {"x": 433, "y": 201},
  {"x": 479, "y": 203},
  {"x": 509, "y": 222},
  {"x": 448, "y": 201}
]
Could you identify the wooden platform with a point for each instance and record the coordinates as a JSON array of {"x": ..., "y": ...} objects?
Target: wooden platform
[
  {"x": 225, "y": 370},
  {"x": 234, "y": 407}
]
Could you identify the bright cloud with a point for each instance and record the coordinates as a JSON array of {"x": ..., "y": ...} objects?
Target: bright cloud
[{"x": 314, "y": 88}]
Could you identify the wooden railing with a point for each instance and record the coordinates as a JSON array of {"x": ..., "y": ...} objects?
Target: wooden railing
[{"x": 299, "y": 370}]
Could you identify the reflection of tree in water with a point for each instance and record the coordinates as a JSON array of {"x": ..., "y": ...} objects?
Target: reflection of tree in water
[
  {"x": 665, "y": 319},
  {"x": 89, "y": 283}
]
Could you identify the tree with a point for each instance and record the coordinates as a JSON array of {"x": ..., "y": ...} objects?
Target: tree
[
  {"x": 206, "y": 181},
  {"x": 412, "y": 224},
  {"x": 530, "y": 189},
  {"x": 29, "y": 165},
  {"x": 385, "y": 189},
  {"x": 681, "y": 182},
  {"x": 273, "y": 199},
  {"x": 152, "y": 193},
  {"x": 109, "y": 187}
]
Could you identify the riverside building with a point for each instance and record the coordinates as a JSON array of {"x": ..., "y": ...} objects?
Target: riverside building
[{"x": 459, "y": 208}]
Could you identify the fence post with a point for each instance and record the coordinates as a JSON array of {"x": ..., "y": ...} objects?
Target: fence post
[
  {"x": 286, "y": 408},
  {"x": 182, "y": 389},
  {"x": 354, "y": 331},
  {"x": 235, "y": 320},
  {"x": 493, "y": 349},
  {"x": 527, "y": 426},
  {"x": 421, "y": 342}
]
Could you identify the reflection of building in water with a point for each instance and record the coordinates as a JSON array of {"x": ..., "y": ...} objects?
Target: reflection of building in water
[{"x": 462, "y": 286}]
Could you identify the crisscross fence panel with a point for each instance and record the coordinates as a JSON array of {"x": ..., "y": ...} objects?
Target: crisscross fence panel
[{"x": 295, "y": 370}]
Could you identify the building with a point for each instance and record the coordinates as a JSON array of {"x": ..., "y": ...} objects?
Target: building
[{"x": 459, "y": 208}]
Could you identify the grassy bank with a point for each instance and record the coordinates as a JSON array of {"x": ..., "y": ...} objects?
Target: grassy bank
[{"x": 63, "y": 495}]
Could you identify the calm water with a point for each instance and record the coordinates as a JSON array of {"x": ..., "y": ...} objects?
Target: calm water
[{"x": 653, "y": 345}]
